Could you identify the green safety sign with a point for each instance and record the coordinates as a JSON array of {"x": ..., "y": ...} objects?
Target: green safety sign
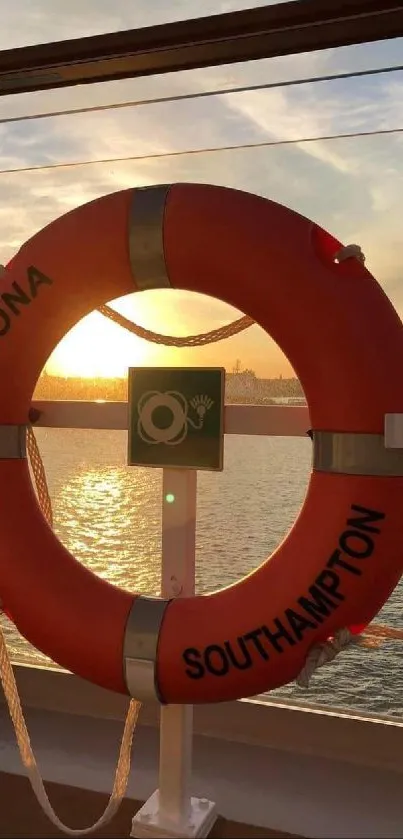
[{"x": 176, "y": 417}]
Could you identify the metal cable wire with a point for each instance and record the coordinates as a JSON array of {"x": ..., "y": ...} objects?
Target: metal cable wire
[
  {"x": 182, "y": 97},
  {"x": 209, "y": 150}
]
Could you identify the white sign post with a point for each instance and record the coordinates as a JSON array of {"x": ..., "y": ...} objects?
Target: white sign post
[
  {"x": 176, "y": 421},
  {"x": 172, "y": 811}
]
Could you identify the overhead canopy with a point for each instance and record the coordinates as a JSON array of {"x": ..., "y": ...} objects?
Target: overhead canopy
[{"x": 265, "y": 32}]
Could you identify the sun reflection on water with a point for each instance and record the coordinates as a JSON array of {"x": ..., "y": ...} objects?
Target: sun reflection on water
[{"x": 110, "y": 521}]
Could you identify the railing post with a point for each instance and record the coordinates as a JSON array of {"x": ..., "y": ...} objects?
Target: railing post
[
  {"x": 179, "y": 499},
  {"x": 172, "y": 811}
]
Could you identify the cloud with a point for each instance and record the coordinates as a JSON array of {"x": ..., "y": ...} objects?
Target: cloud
[
  {"x": 352, "y": 187},
  {"x": 54, "y": 20}
]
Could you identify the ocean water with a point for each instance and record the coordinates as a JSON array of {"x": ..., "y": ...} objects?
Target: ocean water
[{"x": 109, "y": 516}]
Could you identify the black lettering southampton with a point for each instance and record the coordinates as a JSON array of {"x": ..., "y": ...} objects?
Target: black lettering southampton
[
  {"x": 311, "y": 608},
  {"x": 13, "y": 301},
  {"x": 330, "y": 582},
  {"x": 195, "y": 669},
  {"x": 355, "y": 544},
  {"x": 241, "y": 661},
  {"x": 319, "y": 605},
  {"x": 362, "y": 523},
  {"x": 282, "y": 634},
  {"x": 336, "y": 559},
  {"x": 298, "y": 623},
  {"x": 215, "y": 660},
  {"x": 254, "y": 637}
]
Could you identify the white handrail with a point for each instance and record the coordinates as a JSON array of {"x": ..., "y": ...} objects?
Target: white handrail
[{"x": 262, "y": 420}]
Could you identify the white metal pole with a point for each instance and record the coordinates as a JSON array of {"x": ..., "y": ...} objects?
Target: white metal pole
[
  {"x": 177, "y": 580},
  {"x": 171, "y": 811}
]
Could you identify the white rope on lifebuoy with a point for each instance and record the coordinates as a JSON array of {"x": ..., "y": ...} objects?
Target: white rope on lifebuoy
[
  {"x": 322, "y": 654},
  {"x": 350, "y": 252}
]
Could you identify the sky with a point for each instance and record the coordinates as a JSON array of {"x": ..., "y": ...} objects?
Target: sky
[{"x": 351, "y": 187}]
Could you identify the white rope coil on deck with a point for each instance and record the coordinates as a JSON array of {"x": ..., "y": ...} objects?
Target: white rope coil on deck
[{"x": 28, "y": 757}]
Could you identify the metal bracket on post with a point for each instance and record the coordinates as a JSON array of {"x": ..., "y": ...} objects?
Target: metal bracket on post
[{"x": 171, "y": 811}]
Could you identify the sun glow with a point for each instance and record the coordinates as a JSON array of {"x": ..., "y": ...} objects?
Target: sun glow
[{"x": 97, "y": 348}]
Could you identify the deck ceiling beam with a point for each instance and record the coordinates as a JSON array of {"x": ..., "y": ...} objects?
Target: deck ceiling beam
[{"x": 265, "y": 32}]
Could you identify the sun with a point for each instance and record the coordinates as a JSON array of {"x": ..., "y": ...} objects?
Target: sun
[{"x": 97, "y": 348}]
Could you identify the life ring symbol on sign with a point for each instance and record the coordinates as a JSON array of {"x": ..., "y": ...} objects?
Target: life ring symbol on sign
[{"x": 178, "y": 405}]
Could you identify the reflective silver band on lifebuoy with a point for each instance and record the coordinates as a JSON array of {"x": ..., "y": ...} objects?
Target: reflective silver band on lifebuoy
[
  {"x": 355, "y": 454},
  {"x": 13, "y": 442},
  {"x": 146, "y": 237},
  {"x": 147, "y": 260},
  {"x": 140, "y": 647}
]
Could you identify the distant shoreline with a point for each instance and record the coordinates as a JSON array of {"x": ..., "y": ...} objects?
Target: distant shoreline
[{"x": 239, "y": 388}]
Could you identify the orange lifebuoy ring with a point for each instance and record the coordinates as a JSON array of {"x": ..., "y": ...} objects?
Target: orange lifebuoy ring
[{"x": 343, "y": 556}]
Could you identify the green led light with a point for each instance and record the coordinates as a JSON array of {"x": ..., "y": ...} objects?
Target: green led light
[{"x": 170, "y": 498}]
